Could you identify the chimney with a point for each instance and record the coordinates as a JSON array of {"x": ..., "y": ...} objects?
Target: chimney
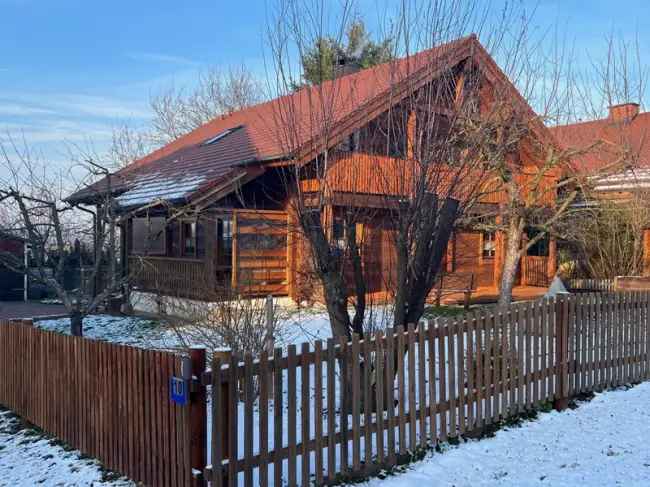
[{"x": 625, "y": 112}]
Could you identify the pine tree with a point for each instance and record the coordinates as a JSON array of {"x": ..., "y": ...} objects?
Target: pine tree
[{"x": 325, "y": 60}]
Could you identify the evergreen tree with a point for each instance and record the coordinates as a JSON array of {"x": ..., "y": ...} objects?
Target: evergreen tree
[{"x": 327, "y": 58}]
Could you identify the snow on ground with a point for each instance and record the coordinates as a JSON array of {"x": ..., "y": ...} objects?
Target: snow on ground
[
  {"x": 126, "y": 330},
  {"x": 603, "y": 442},
  {"x": 29, "y": 458}
]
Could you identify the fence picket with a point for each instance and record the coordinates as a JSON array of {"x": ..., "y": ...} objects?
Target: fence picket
[
  {"x": 412, "y": 377},
  {"x": 389, "y": 384},
  {"x": 278, "y": 393},
  {"x": 344, "y": 403},
  {"x": 331, "y": 407},
  {"x": 380, "y": 393},
  {"x": 356, "y": 404},
  {"x": 292, "y": 414},
  {"x": 401, "y": 392},
  {"x": 471, "y": 370},
  {"x": 442, "y": 413},
  {"x": 263, "y": 377},
  {"x": 233, "y": 415},
  {"x": 305, "y": 414},
  {"x": 367, "y": 406},
  {"x": 318, "y": 409}
]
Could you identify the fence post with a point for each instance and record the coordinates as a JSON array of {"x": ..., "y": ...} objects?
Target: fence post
[
  {"x": 198, "y": 415},
  {"x": 562, "y": 353},
  {"x": 226, "y": 357}
]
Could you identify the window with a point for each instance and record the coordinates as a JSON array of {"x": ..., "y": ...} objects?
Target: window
[
  {"x": 539, "y": 248},
  {"x": 148, "y": 236},
  {"x": 200, "y": 240},
  {"x": 338, "y": 232},
  {"x": 173, "y": 239},
  {"x": 220, "y": 136},
  {"x": 489, "y": 245},
  {"x": 189, "y": 239},
  {"x": 224, "y": 241}
]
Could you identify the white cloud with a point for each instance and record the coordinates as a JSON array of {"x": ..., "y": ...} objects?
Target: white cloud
[
  {"x": 19, "y": 110},
  {"x": 72, "y": 104}
]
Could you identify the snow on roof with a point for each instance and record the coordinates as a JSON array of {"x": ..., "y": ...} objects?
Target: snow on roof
[
  {"x": 157, "y": 186},
  {"x": 626, "y": 180}
]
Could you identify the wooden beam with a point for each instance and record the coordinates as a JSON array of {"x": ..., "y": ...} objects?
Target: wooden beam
[
  {"x": 410, "y": 135},
  {"x": 235, "y": 264},
  {"x": 646, "y": 252}
]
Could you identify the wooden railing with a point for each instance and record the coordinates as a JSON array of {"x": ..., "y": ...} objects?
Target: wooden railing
[
  {"x": 362, "y": 173},
  {"x": 188, "y": 278},
  {"x": 591, "y": 285}
]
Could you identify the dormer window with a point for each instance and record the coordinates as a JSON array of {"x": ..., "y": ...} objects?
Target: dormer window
[{"x": 220, "y": 135}]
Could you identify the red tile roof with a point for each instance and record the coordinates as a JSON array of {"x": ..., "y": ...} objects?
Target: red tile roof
[
  {"x": 259, "y": 137},
  {"x": 604, "y": 141}
]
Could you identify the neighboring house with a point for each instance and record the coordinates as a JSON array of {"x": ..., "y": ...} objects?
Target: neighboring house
[
  {"x": 228, "y": 175},
  {"x": 615, "y": 156},
  {"x": 11, "y": 283}
]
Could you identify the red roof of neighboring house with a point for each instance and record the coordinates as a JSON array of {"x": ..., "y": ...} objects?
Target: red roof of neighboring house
[
  {"x": 606, "y": 140},
  {"x": 189, "y": 166}
]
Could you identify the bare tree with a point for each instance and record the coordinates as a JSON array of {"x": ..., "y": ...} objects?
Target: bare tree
[
  {"x": 35, "y": 194},
  {"x": 424, "y": 162},
  {"x": 127, "y": 145},
  {"x": 178, "y": 111},
  {"x": 605, "y": 239}
]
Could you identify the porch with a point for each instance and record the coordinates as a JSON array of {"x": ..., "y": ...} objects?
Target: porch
[{"x": 242, "y": 252}]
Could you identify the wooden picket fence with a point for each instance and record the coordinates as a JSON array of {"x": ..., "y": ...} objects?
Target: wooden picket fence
[
  {"x": 109, "y": 401},
  {"x": 591, "y": 285},
  {"x": 333, "y": 411},
  {"x": 341, "y": 410}
]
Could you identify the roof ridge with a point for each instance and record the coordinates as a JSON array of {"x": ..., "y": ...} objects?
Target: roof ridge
[
  {"x": 168, "y": 148},
  {"x": 595, "y": 121}
]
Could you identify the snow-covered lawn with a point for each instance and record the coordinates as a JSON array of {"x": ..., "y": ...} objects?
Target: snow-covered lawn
[
  {"x": 126, "y": 330},
  {"x": 29, "y": 458},
  {"x": 603, "y": 442}
]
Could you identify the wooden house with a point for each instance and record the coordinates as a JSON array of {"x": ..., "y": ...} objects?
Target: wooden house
[
  {"x": 614, "y": 153},
  {"x": 232, "y": 215}
]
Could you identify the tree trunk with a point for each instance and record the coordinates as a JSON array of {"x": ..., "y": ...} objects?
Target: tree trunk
[
  {"x": 511, "y": 259},
  {"x": 76, "y": 324}
]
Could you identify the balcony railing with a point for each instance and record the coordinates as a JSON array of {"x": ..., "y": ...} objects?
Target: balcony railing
[
  {"x": 362, "y": 173},
  {"x": 188, "y": 278}
]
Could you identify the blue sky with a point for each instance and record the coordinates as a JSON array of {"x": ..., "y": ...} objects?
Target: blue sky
[{"x": 70, "y": 70}]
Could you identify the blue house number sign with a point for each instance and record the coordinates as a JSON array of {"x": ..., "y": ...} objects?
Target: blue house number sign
[{"x": 179, "y": 390}]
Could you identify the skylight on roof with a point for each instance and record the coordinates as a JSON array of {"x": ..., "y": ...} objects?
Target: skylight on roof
[{"x": 220, "y": 135}]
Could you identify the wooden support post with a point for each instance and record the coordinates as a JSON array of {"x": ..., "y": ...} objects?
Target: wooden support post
[
  {"x": 439, "y": 291},
  {"x": 646, "y": 252},
  {"x": 410, "y": 135},
  {"x": 552, "y": 259},
  {"x": 562, "y": 353},
  {"x": 235, "y": 254},
  {"x": 198, "y": 416}
]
